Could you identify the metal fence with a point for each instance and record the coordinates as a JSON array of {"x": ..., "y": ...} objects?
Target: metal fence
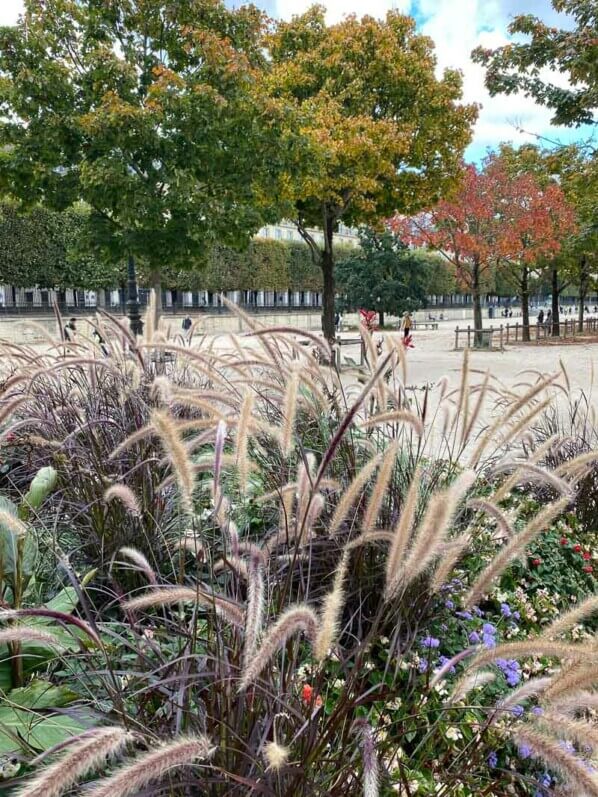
[{"x": 500, "y": 336}]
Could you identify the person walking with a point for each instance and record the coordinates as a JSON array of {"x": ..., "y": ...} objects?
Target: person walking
[
  {"x": 187, "y": 323},
  {"x": 407, "y": 324},
  {"x": 541, "y": 317},
  {"x": 548, "y": 320},
  {"x": 101, "y": 342},
  {"x": 70, "y": 330}
]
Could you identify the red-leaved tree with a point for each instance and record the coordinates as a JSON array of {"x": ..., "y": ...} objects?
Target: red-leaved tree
[{"x": 494, "y": 218}]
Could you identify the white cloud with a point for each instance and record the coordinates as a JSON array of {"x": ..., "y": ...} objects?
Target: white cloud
[{"x": 9, "y": 11}]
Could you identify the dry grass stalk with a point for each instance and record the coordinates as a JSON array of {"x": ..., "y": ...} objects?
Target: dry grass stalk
[
  {"x": 370, "y": 762},
  {"x": 481, "y": 505},
  {"x": 379, "y": 490},
  {"x": 401, "y": 536},
  {"x": 243, "y": 439},
  {"x": 554, "y": 756},
  {"x": 469, "y": 426},
  {"x": 331, "y": 612},
  {"x": 370, "y": 537},
  {"x": 534, "y": 646},
  {"x": 468, "y": 683},
  {"x": 576, "y": 615},
  {"x": 152, "y": 766},
  {"x": 451, "y": 555},
  {"x": 276, "y": 755},
  {"x": 434, "y": 527},
  {"x": 529, "y": 472},
  {"x": 289, "y": 413},
  {"x": 579, "y": 701},
  {"x": 582, "y": 733},
  {"x": 255, "y": 608},
  {"x": 295, "y": 619},
  {"x": 126, "y": 496},
  {"x": 582, "y": 674},
  {"x": 352, "y": 493},
  {"x": 22, "y": 633},
  {"x": 514, "y": 548},
  {"x": 86, "y": 756},
  {"x": 166, "y": 597},
  {"x": 175, "y": 448},
  {"x": 463, "y": 406},
  {"x": 397, "y": 416},
  {"x": 531, "y": 688},
  {"x": 141, "y": 562}
]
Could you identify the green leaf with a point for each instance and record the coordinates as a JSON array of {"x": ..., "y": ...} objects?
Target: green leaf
[
  {"x": 41, "y": 486},
  {"x": 41, "y": 694},
  {"x": 21, "y": 729},
  {"x": 9, "y": 547}
]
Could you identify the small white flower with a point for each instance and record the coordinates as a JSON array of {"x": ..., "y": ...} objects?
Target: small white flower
[{"x": 453, "y": 733}]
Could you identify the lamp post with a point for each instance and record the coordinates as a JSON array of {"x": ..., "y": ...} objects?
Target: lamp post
[{"x": 133, "y": 299}]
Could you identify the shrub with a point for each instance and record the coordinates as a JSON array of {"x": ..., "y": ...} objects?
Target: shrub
[{"x": 313, "y": 622}]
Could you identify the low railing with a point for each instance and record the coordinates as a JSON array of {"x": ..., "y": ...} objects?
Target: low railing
[
  {"x": 506, "y": 334},
  {"x": 29, "y": 310}
]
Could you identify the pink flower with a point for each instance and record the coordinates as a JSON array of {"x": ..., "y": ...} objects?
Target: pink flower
[
  {"x": 536, "y": 562},
  {"x": 588, "y": 569},
  {"x": 587, "y": 555}
]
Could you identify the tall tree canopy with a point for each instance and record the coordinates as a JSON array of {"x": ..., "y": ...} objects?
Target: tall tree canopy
[
  {"x": 384, "y": 275},
  {"x": 386, "y": 134},
  {"x": 572, "y": 51},
  {"x": 150, "y": 111}
]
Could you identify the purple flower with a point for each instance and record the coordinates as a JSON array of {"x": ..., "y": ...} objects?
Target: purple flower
[
  {"x": 546, "y": 780},
  {"x": 477, "y": 611},
  {"x": 502, "y": 664},
  {"x": 517, "y": 711},
  {"x": 464, "y": 615},
  {"x": 430, "y": 642},
  {"x": 513, "y": 678},
  {"x": 474, "y": 637},
  {"x": 492, "y": 760},
  {"x": 505, "y": 610},
  {"x": 524, "y": 751},
  {"x": 538, "y": 711},
  {"x": 423, "y": 665},
  {"x": 516, "y": 615},
  {"x": 567, "y": 746},
  {"x": 449, "y": 604},
  {"x": 488, "y": 628},
  {"x": 489, "y": 640}
]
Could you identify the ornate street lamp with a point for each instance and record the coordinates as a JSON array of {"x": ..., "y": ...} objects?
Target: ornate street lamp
[{"x": 133, "y": 299}]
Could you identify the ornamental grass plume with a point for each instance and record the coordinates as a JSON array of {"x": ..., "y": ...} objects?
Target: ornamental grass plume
[
  {"x": 166, "y": 597},
  {"x": 83, "y": 757},
  {"x": 242, "y": 439},
  {"x": 289, "y": 413},
  {"x": 22, "y": 633},
  {"x": 514, "y": 548},
  {"x": 571, "y": 618},
  {"x": 331, "y": 611},
  {"x": 580, "y": 701},
  {"x": 474, "y": 680},
  {"x": 151, "y": 767},
  {"x": 12, "y": 523},
  {"x": 581, "y": 732},
  {"x": 531, "y": 688},
  {"x": 370, "y": 760},
  {"x": 126, "y": 496},
  {"x": 581, "y": 675},
  {"x": 352, "y": 493},
  {"x": 255, "y": 607},
  {"x": 451, "y": 553},
  {"x": 552, "y": 753},
  {"x": 482, "y": 505},
  {"x": 529, "y": 472},
  {"x": 177, "y": 452},
  {"x": 141, "y": 563},
  {"x": 434, "y": 526},
  {"x": 401, "y": 536},
  {"x": 380, "y": 487},
  {"x": 294, "y": 620},
  {"x": 276, "y": 755}
]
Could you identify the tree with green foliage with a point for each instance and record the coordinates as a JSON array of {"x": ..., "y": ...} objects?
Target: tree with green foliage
[
  {"x": 384, "y": 275},
  {"x": 152, "y": 112},
  {"x": 386, "y": 133},
  {"x": 572, "y": 51}
]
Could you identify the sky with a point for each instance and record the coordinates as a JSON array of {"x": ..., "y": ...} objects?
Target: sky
[{"x": 457, "y": 27}]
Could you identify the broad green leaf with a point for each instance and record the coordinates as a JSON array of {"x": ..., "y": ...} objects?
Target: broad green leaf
[
  {"x": 41, "y": 486},
  {"x": 9, "y": 546},
  {"x": 36, "y": 730},
  {"x": 40, "y": 694}
]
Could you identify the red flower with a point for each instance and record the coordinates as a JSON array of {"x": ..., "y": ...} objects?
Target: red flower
[
  {"x": 536, "y": 562},
  {"x": 588, "y": 569},
  {"x": 10, "y": 437},
  {"x": 587, "y": 555},
  {"x": 307, "y": 695},
  {"x": 564, "y": 541},
  {"x": 577, "y": 548}
]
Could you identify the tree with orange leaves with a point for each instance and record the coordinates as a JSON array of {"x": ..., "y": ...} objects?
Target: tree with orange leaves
[{"x": 493, "y": 219}]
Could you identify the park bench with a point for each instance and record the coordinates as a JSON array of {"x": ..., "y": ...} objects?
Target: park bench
[{"x": 425, "y": 325}]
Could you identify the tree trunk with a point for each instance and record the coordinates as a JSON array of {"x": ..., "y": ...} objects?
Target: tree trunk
[
  {"x": 583, "y": 290},
  {"x": 381, "y": 317},
  {"x": 556, "y": 326},
  {"x": 328, "y": 292},
  {"x": 156, "y": 285},
  {"x": 524, "y": 290},
  {"x": 477, "y": 304}
]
